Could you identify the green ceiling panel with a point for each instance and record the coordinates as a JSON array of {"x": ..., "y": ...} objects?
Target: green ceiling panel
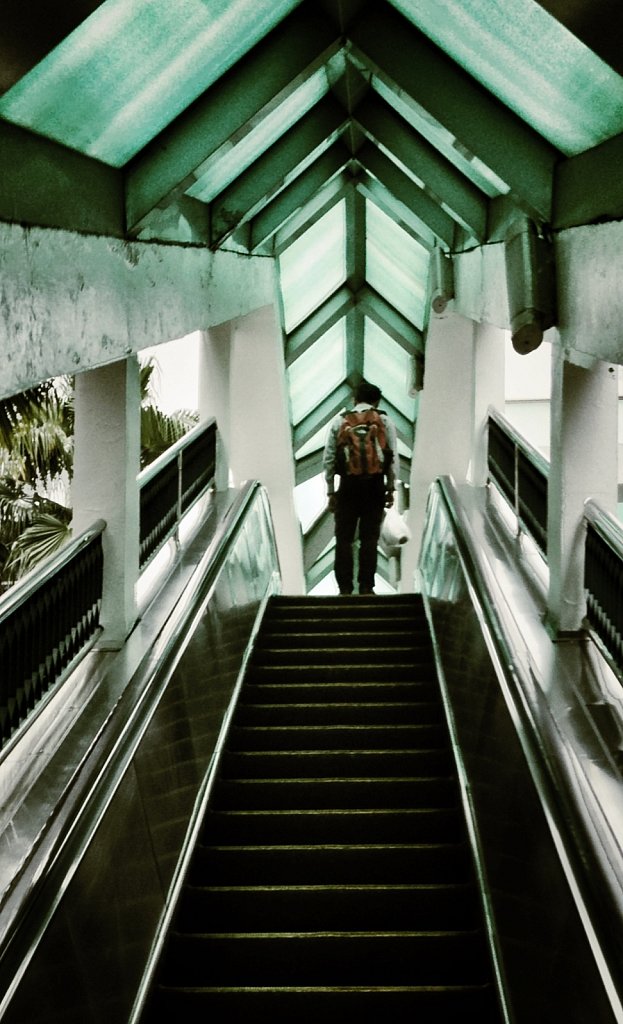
[
  {"x": 444, "y": 142},
  {"x": 221, "y": 169},
  {"x": 313, "y": 267},
  {"x": 480, "y": 122},
  {"x": 396, "y": 265},
  {"x": 388, "y": 366},
  {"x": 317, "y": 371},
  {"x": 132, "y": 67},
  {"x": 531, "y": 62},
  {"x": 276, "y": 168}
]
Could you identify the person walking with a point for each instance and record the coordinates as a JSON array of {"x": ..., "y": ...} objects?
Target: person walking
[{"x": 361, "y": 450}]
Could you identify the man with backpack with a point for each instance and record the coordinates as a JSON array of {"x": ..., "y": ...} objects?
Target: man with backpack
[{"x": 361, "y": 450}]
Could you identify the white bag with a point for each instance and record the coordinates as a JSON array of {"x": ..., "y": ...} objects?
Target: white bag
[{"x": 394, "y": 532}]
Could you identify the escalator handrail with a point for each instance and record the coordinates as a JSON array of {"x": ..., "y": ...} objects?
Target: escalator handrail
[
  {"x": 112, "y": 750},
  {"x": 516, "y": 684}
]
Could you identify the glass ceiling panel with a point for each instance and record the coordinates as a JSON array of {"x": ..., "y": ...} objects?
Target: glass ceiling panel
[
  {"x": 130, "y": 68},
  {"x": 396, "y": 265},
  {"x": 309, "y": 500},
  {"x": 220, "y": 170},
  {"x": 388, "y": 366},
  {"x": 314, "y": 444},
  {"x": 430, "y": 129},
  {"x": 320, "y": 369},
  {"x": 313, "y": 266},
  {"x": 532, "y": 63}
]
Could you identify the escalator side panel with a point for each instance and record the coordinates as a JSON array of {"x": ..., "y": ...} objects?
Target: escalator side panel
[{"x": 94, "y": 924}]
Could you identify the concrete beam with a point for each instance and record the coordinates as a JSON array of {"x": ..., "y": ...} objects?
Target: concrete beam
[
  {"x": 70, "y": 302},
  {"x": 589, "y": 268}
]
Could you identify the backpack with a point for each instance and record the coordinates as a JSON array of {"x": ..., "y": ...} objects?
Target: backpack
[{"x": 362, "y": 444}]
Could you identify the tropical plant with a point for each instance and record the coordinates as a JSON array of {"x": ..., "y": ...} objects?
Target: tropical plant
[
  {"x": 36, "y": 465},
  {"x": 159, "y": 430},
  {"x": 36, "y": 461}
]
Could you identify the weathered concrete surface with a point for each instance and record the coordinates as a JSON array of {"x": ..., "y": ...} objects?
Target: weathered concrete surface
[
  {"x": 71, "y": 302},
  {"x": 589, "y": 271}
]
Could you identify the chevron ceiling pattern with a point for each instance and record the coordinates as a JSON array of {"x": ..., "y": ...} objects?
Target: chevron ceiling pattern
[{"x": 345, "y": 139}]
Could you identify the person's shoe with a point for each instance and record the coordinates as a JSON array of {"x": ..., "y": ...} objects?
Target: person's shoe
[
  {"x": 363, "y": 593},
  {"x": 345, "y": 593}
]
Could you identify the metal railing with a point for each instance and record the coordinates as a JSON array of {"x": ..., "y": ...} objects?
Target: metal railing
[
  {"x": 172, "y": 484},
  {"x": 521, "y": 474},
  {"x": 46, "y": 622},
  {"x": 603, "y": 579}
]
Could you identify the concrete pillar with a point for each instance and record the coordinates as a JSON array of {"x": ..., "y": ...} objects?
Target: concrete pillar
[
  {"x": 214, "y": 393},
  {"x": 243, "y": 384},
  {"x": 106, "y": 463},
  {"x": 445, "y": 423},
  {"x": 583, "y": 464},
  {"x": 489, "y": 356}
]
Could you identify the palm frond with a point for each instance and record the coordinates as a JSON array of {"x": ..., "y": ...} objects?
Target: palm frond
[
  {"x": 159, "y": 430},
  {"x": 43, "y": 538}
]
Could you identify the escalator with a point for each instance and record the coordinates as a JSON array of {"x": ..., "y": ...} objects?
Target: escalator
[{"x": 333, "y": 872}]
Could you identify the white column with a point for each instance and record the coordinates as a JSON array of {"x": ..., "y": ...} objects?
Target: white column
[
  {"x": 489, "y": 354},
  {"x": 214, "y": 393},
  {"x": 243, "y": 384},
  {"x": 106, "y": 463},
  {"x": 445, "y": 423},
  {"x": 583, "y": 464}
]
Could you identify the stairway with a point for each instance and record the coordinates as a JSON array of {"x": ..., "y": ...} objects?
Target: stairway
[{"x": 333, "y": 874}]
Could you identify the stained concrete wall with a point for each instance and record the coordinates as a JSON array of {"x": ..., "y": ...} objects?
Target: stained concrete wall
[
  {"x": 589, "y": 270},
  {"x": 71, "y": 302}
]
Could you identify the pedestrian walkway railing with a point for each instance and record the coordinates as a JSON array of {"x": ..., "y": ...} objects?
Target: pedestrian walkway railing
[
  {"x": 521, "y": 474},
  {"x": 603, "y": 579},
  {"x": 171, "y": 485},
  {"x": 47, "y": 621}
]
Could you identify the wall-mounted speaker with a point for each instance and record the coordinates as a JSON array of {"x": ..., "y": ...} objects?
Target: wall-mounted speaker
[{"x": 531, "y": 284}]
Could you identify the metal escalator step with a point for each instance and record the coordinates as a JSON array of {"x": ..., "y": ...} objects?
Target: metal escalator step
[
  {"x": 440, "y": 825},
  {"x": 290, "y": 908},
  {"x": 427, "y": 736},
  {"x": 331, "y": 864},
  {"x": 328, "y": 958},
  {"x": 400, "y": 1004},
  {"x": 334, "y": 763},
  {"x": 338, "y": 713},
  {"x": 351, "y": 692},
  {"x": 380, "y": 672},
  {"x": 391, "y": 791}
]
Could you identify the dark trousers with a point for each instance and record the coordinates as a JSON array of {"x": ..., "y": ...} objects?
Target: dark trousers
[{"x": 359, "y": 501}]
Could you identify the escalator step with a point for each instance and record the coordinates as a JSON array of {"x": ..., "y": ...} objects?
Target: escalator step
[
  {"x": 337, "y": 713},
  {"x": 327, "y": 958},
  {"x": 431, "y": 737},
  {"x": 314, "y": 908},
  {"x": 313, "y": 827},
  {"x": 338, "y": 764},
  {"x": 320, "y": 793},
  {"x": 329, "y": 1004},
  {"x": 331, "y": 864}
]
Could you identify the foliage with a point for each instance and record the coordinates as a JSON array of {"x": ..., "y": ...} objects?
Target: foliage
[{"x": 36, "y": 465}]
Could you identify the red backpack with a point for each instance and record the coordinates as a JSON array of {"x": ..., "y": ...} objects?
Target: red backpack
[{"x": 362, "y": 443}]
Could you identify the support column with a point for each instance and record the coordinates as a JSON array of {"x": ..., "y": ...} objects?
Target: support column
[
  {"x": 243, "y": 384},
  {"x": 583, "y": 464},
  {"x": 445, "y": 422},
  {"x": 489, "y": 355},
  {"x": 214, "y": 393},
  {"x": 106, "y": 463}
]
